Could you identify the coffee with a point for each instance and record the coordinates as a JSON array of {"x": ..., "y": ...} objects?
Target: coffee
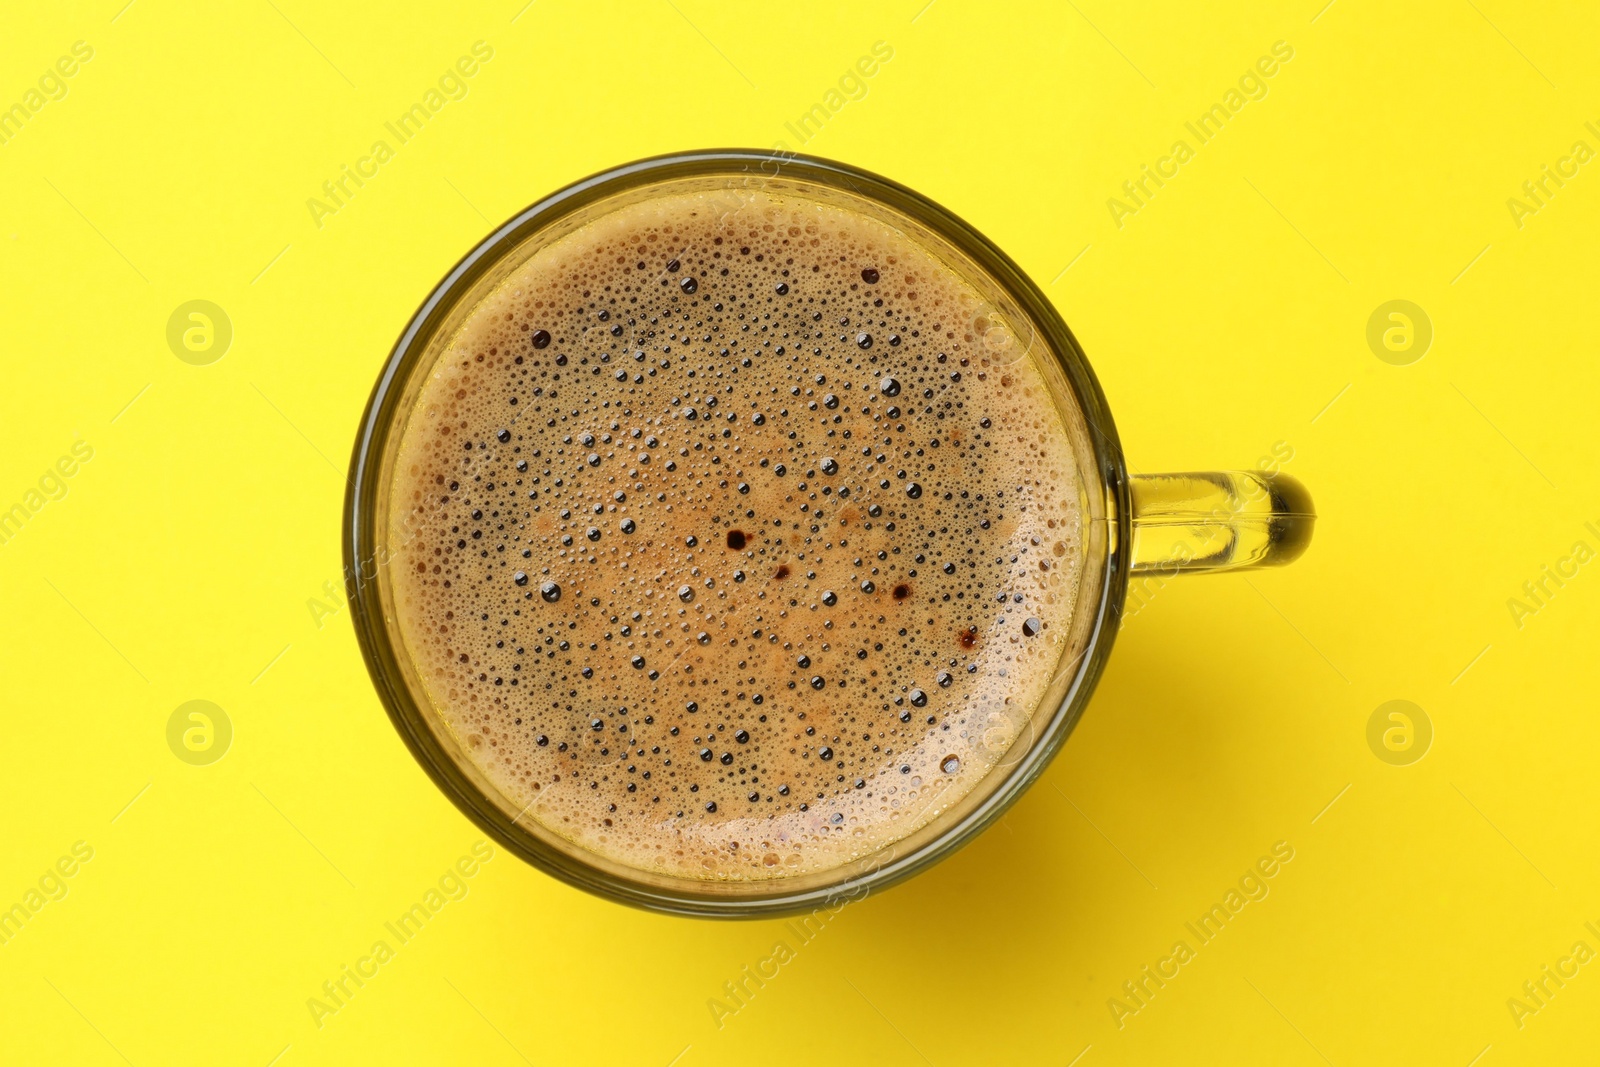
[{"x": 737, "y": 539}]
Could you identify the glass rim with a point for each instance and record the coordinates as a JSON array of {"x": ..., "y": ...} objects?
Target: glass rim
[{"x": 380, "y": 420}]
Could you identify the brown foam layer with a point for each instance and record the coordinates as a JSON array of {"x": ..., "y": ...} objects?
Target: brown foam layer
[{"x": 737, "y": 543}]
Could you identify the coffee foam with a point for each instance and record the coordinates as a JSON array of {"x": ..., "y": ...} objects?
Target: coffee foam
[{"x": 737, "y": 543}]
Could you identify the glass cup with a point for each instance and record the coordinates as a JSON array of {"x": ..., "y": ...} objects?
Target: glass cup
[{"x": 1144, "y": 528}]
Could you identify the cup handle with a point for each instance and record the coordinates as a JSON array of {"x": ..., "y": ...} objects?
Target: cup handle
[{"x": 1217, "y": 521}]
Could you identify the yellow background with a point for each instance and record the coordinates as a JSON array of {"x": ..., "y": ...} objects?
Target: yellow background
[{"x": 1223, "y": 318}]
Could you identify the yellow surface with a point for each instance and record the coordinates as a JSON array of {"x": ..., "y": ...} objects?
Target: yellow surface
[{"x": 1227, "y": 318}]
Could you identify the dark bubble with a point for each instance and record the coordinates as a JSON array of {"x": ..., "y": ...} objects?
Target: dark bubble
[
  {"x": 870, "y": 276},
  {"x": 919, "y": 699},
  {"x": 829, "y": 597},
  {"x": 825, "y": 752},
  {"x": 913, "y": 490},
  {"x": 889, "y": 387},
  {"x": 830, "y": 466},
  {"x": 817, "y": 682},
  {"x": 503, "y": 436},
  {"x": 550, "y": 592},
  {"x": 688, "y": 285},
  {"x": 685, "y": 594},
  {"x": 593, "y": 534},
  {"x": 863, "y": 340},
  {"x": 869, "y": 586},
  {"x": 520, "y": 578},
  {"x": 637, "y": 662},
  {"x": 1031, "y": 627},
  {"x": 783, "y": 289},
  {"x": 627, "y": 526},
  {"x": 541, "y": 338}
]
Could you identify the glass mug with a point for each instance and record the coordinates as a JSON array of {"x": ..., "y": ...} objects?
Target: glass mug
[{"x": 1134, "y": 526}]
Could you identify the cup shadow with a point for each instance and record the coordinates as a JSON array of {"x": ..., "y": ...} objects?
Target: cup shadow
[{"x": 1043, "y": 867}]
